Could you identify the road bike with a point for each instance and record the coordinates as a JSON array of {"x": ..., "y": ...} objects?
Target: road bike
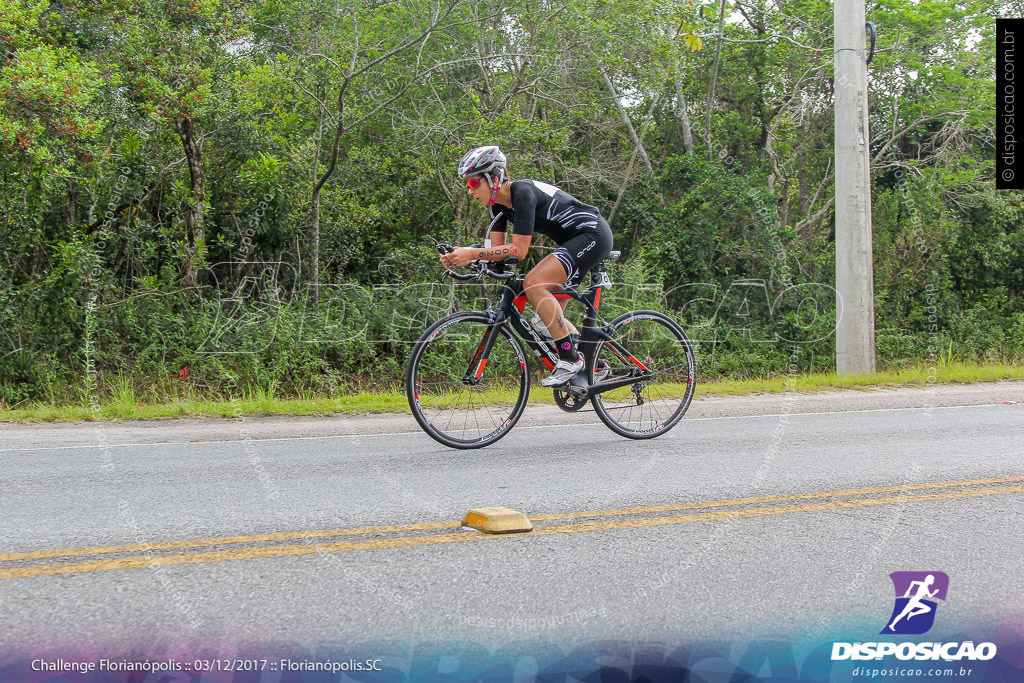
[{"x": 468, "y": 378}]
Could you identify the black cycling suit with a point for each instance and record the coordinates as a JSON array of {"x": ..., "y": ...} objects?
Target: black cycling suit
[{"x": 583, "y": 237}]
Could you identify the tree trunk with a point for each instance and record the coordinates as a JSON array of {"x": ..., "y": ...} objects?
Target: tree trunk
[
  {"x": 69, "y": 206},
  {"x": 684, "y": 116},
  {"x": 314, "y": 256},
  {"x": 804, "y": 183},
  {"x": 626, "y": 122},
  {"x": 193, "y": 205},
  {"x": 714, "y": 80},
  {"x": 632, "y": 161}
]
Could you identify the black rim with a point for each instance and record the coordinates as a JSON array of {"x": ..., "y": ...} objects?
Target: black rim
[
  {"x": 455, "y": 407},
  {"x": 649, "y": 408}
]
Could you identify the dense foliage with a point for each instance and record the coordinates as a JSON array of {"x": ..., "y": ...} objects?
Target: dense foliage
[{"x": 247, "y": 189}]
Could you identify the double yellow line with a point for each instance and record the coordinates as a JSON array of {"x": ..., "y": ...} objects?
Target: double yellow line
[{"x": 156, "y": 554}]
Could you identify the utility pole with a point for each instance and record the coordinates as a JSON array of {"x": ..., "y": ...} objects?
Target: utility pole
[{"x": 855, "y": 306}]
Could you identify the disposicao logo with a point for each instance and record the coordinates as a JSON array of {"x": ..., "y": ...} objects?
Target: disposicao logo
[
  {"x": 916, "y": 593},
  {"x": 913, "y": 614}
]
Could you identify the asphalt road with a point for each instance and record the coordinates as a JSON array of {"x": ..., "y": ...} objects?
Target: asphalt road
[{"x": 165, "y": 539}]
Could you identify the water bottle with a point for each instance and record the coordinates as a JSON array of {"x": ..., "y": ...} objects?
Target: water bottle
[{"x": 540, "y": 327}]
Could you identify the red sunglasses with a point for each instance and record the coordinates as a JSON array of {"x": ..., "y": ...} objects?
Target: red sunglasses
[{"x": 474, "y": 183}]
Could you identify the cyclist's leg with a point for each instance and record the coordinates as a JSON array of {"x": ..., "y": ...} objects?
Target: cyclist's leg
[
  {"x": 548, "y": 275},
  {"x": 573, "y": 259},
  {"x": 566, "y": 266},
  {"x": 581, "y": 252},
  {"x": 563, "y": 303}
]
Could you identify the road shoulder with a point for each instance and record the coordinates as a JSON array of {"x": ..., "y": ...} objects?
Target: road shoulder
[{"x": 15, "y": 436}]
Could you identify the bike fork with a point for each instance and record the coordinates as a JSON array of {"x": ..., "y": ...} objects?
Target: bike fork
[{"x": 483, "y": 350}]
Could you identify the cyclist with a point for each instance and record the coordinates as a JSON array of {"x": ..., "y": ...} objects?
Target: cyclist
[{"x": 582, "y": 235}]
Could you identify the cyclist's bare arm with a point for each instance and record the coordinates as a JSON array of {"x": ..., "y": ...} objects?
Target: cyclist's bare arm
[
  {"x": 496, "y": 252},
  {"x": 500, "y": 251},
  {"x": 497, "y": 238}
]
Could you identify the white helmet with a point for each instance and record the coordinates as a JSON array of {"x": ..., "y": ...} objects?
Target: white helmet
[{"x": 485, "y": 161}]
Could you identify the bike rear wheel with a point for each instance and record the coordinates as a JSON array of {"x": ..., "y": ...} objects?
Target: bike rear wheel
[
  {"x": 653, "y": 343},
  {"x": 459, "y": 398}
]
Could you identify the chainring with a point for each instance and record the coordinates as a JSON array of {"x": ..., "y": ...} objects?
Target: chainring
[{"x": 568, "y": 401}]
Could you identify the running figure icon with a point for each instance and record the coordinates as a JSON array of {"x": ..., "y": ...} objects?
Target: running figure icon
[
  {"x": 916, "y": 594},
  {"x": 915, "y": 606}
]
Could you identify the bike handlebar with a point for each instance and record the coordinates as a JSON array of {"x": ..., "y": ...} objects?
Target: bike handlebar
[
  {"x": 484, "y": 270},
  {"x": 457, "y": 276}
]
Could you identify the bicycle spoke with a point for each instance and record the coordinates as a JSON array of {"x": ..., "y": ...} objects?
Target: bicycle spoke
[
  {"x": 456, "y": 410},
  {"x": 659, "y": 345}
]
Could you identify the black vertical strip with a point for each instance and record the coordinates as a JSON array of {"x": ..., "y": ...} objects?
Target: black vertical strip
[{"x": 1010, "y": 104}]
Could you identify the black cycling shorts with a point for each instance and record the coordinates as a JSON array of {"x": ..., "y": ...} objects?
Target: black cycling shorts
[{"x": 581, "y": 252}]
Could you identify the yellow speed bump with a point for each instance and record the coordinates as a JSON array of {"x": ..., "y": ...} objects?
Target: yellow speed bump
[{"x": 497, "y": 521}]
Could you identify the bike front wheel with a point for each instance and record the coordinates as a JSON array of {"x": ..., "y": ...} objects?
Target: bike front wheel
[
  {"x": 459, "y": 396},
  {"x": 651, "y": 345}
]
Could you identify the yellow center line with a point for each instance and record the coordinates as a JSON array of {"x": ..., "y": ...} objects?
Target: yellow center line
[
  {"x": 231, "y": 540},
  {"x": 226, "y": 540},
  {"x": 773, "y": 510},
  {"x": 339, "y": 546},
  {"x": 772, "y": 499},
  {"x": 239, "y": 554}
]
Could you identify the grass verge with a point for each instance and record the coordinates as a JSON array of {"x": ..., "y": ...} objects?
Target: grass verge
[{"x": 121, "y": 406}]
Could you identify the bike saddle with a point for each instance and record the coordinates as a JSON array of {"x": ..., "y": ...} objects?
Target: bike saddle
[{"x": 612, "y": 255}]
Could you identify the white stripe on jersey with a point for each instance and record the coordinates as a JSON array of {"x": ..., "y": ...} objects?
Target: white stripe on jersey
[
  {"x": 549, "y": 190},
  {"x": 568, "y": 216}
]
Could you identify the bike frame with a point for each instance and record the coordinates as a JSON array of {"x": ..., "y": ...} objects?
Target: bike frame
[{"x": 510, "y": 311}]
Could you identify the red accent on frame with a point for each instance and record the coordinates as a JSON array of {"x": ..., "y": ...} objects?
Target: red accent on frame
[
  {"x": 519, "y": 302},
  {"x": 480, "y": 369},
  {"x": 545, "y": 361},
  {"x": 638, "y": 363},
  {"x": 617, "y": 354},
  {"x": 597, "y": 299},
  {"x": 480, "y": 349}
]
